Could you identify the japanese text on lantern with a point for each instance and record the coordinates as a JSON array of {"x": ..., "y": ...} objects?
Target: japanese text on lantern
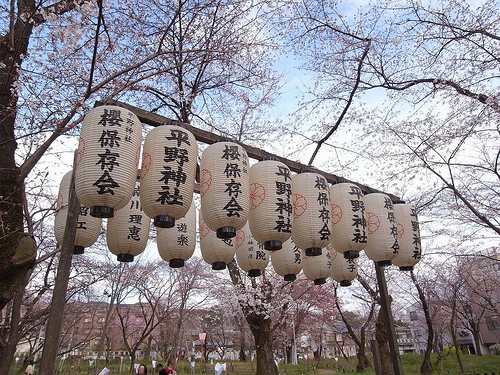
[
  {"x": 84, "y": 211},
  {"x": 351, "y": 265},
  {"x": 182, "y": 239},
  {"x": 324, "y": 212},
  {"x": 135, "y": 218},
  {"x": 392, "y": 219},
  {"x": 297, "y": 255},
  {"x": 284, "y": 205},
  {"x": 359, "y": 220},
  {"x": 417, "y": 247},
  {"x": 109, "y": 140},
  {"x": 260, "y": 254},
  {"x": 236, "y": 165},
  {"x": 173, "y": 174}
]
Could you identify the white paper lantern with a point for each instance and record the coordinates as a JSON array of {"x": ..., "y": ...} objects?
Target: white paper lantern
[
  {"x": 344, "y": 270},
  {"x": 410, "y": 247},
  {"x": 270, "y": 216},
  {"x": 127, "y": 232},
  {"x": 168, "y": 173},
  {"x": 383, "y": 243},
  {"x": 287, "y": 262},
  {"x": 215, "y": 251},
  {"x": 107, "y": 159},
  {"x": 177, "y": 244},
  {"x": 311, "y": 212},
  {"x": 88, "y": 228},
  {"x": 250, "y": 254},
  {"x": 224, "y": 188},
  {"x": 317, "y": 268},
  {"x": 348, "y": 219}
]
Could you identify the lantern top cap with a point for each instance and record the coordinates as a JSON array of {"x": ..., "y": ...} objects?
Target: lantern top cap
[
  {"x": 340, "y": 180},
  {"x": 224, "y": 139},
  {"x": 399, "y": 201},
  {"x": 268, "y": 158}
]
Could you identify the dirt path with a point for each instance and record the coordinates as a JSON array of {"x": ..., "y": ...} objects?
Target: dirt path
[{"x": 323, "y": 371}]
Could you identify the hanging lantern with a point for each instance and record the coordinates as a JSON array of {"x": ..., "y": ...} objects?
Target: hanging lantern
[
  {"x": 347, "y": 211},
  {"x": 88, "y": 228},
  {"x": 169, "y": 161},
  {"x": 224, "y": 188},
  {"x": 270, "y": 203},
  {"x": 344, "y": 270},
  {"x": 311, "y": 212},
  {"x": 177, "y": 244},
  {"x": 215, "y": 251},
  {"x": 128, "y": 231},
  {"x": 107, "y": 160},
  {"x": 287, "y": 262},
  {"x": 382, "y": 245},
  {"x": 250, "y": 254},
  {"x": 317, "y": 268},
  {"x": 410, "y": 247}
]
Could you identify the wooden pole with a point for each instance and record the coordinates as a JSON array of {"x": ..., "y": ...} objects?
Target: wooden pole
[
  {"x": 385, "y": 305},
  {"x": 54, "y": 324}
]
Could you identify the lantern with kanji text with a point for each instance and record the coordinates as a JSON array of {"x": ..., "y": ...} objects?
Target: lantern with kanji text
[
  {"x": 382, "y": 245},
  {"x": 410, "y": 248},
  {"x": 317, "y": 268},
  {"x": 311, "y": 212},
  {"x": 215, "y": 251},
  {"x": 287, "y": 262},
  {"x": 224, "y": 188},
  {"x": 270, "y": 216},
  {"x": 250, "y": 254},
  {"x": 177, "y": 244},
  {"x": 107, "y": 159},
  {"x": 169, "y": 161},
  {"x": 344, "y": 270}
]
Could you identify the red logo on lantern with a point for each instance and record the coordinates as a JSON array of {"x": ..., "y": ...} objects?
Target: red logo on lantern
[
  {"x": 240, "y": 238},
  {"x": 204, "y": 229},
  {"x": 373, "y": 223},
  {"x": 299, "y": 205},
  {"x": 81, "y": 151},
  {"x": 206, "y": 181},
  {"x": 60, "y": 202},
  {"x": 146, "y": 164},
  {"x": 401, "y": 229},
  {"x": 257, "y": 195},
  {"x": 336, "y": 213}
]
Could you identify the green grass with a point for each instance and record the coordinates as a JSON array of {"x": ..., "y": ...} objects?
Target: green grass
[{"x": 411, "y": 364}]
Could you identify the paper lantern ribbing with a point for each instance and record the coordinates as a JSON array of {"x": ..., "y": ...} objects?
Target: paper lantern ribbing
[
  {"x": 382, "y": 245},
  {"x": 344, "y": 270},
  {"x": 348, "y": 219},
  {"x": 270, "y": 203},
  {"x": 224, "y": 188},
  {"x": 169, "y": 161},
  {"x": 107, "y": 159},
  {"x": 317, "y": 268},
  {"x": 311, "y": 212},
  {"x": 177, "y": 244},
  {"x": 287, "y": 262},
  {"x": 250, "y": 254},
  {"x": 127, "y": 232},
  {"x": 410, "y": 247},
  {"x": 88, "y": 227},
  {"x": 215, "y": 251}
]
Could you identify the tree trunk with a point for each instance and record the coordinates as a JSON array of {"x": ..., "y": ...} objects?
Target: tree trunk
[
  {"x": 261, "y": 330},
  {"x": 383, "y": 344},
  {"x": 363, "y": 362},
  {"x": 454, "y": 337}
]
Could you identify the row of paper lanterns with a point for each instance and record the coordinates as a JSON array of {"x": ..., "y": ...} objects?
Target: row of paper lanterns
[{"x": 274, "y": 205}]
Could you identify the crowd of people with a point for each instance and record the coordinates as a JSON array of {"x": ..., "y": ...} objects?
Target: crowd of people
[{"x": 169, "y": 370}]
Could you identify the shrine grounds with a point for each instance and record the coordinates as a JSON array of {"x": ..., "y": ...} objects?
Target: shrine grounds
[{"x": 474, "y": 365}]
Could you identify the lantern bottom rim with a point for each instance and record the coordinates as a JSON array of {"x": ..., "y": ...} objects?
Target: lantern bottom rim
[
  {"x": 164, "y": 221},
  {"x": 320, "y": 281},
  {"x": 406, "y": 268},
  {"x": 176, "y": 263},
  {"x": 345, "y": 283},
  {"x": 254, "y": 273},
  {"x": 77, "y": 250},
  {"x": 313, "y": 251},
  {"x": 290, "y": 277},
  {"x": 125, "y": 257},
  {"x": 383, "y": 263},
  {"x": 273, "y": 245},
  {"x": 226, "y": 232},
  {"x": 102, "y": 211},
  {"x": 351, "y": 254},
  {"x": 218, "y": 266}
]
